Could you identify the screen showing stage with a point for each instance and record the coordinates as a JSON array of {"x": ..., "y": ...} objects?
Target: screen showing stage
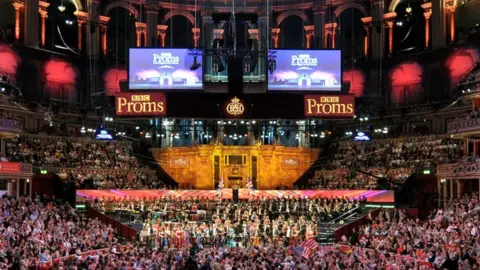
[
  {"x": 164, "y": 69},
  {"x": 305, "y": 70}
]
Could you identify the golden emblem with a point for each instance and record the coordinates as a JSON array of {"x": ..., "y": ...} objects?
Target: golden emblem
[{"x": 235, "y": 107}]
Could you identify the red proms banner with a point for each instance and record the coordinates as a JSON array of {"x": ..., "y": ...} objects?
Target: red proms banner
[
  {"x": 10, "y": 167},
  {"x": 338, "y": 106},
  {"x": 140, "y": 104}
]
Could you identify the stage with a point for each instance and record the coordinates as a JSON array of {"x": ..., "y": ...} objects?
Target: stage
[{"x": 372, "y": 196}]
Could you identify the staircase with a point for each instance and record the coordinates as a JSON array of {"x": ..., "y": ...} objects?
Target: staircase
[{"x": 326, "y": 231}]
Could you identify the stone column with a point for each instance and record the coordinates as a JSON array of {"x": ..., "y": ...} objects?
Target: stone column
[
  {"x": 451, "y": 12},
  {"x": 427, "y": 8},
  {"x": 275, "y": 36},
  {"x": 30, "y": 26},
  {"x": 196, "y": 37},
  {"x": 18, "y": 6},
  {"x": 330, "y": 35},
  {"x": 309, "y": 35},
  {"x": 389, "y": 18},
  {"x": 378, "y": 30},
  {"x": 319, "y": 23},
  {"x": 103, "y": 28},
  {"x": 42, "y": 10},
  {"x": 162, "y": 33},
  {"x": 82, "y": 18},
  {"x": 367, "y": 21},
  {"x": 141, "y": 28},
  {"x": 93, "y": 39},
  {"x": 439, "y": 39},
  {"x": 152, "y": 24},
  {"x": 253, "y": 34}
]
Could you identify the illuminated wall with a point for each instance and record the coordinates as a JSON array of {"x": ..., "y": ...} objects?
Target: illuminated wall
[
  {"x": 61, "y": 79},
  {"x": 357, "y": 81},
  {"x": 194, "y": 166},
  {"x": 406, "y": 81},
  {"x": 460, "y": 62},
  {"x": 112, "y": 78},
  {"x": 9, "y": 61}
]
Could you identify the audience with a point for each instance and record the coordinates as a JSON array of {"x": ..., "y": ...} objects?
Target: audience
[{"x": 33, "y": 232}]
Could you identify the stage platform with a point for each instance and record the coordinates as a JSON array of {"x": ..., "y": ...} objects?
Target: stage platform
[{"x": 373, "y": 196}]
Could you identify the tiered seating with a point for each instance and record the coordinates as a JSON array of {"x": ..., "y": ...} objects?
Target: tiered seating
[
  {"x": 92, "y": 163},
  {"x": 471, "y": 81},
  {"x": 396, "y": 158}
]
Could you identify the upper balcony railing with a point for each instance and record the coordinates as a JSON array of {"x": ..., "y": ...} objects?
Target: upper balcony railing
[{"x": 465, "y": 125}]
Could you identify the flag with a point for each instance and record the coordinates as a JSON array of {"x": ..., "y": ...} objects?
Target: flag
[
  {"x": 219, "y": 193},
  {"x": 249, "y": 185},
  {"x": 308, "y": 247}
]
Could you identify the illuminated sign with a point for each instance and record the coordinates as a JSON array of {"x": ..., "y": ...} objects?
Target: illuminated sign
[
  {"x": 341, "y": 106},
  {"x": 140, "y": 104},
  {"x": 235, "y": 107},
  {"x": 103, "y": 135},
  {"x": 305, "y": 70},
  {"x": 181, "y": 161},
  {"x": 164, "y": 69},
  {"x": 10, "y": 167},
  {"x": 361, "y": 136},
  {"x": 290, "y": 162}
]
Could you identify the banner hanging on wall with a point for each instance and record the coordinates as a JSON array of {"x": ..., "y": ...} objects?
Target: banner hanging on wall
[
  {"x": 339, "y": 106},
  {"x": 140, "y": 104}
]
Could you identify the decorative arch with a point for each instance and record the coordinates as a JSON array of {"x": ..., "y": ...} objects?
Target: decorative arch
[
  {"x": 183, "y": 13},
  {"x": 78, "y": 5},
  {"x": 122, "y": 4},
  {"x": 294, "y": 12},
  {"x": 393, "y": 5},
  {"x": 348, "y": 5}
]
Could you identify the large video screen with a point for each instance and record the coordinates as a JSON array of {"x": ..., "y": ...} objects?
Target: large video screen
[
  {"x": 305, "y": 70},
  {"x": 164, "y": 69}
]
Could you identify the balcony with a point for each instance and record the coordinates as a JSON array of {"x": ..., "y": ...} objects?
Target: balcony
[
  {"x": 464, "y": 127},
  {"x": 463, "y": 170}
]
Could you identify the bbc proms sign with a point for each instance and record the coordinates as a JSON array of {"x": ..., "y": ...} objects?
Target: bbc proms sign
[
  {"x": 337, "y": 106},
  {"x": 140, "y": 104}
]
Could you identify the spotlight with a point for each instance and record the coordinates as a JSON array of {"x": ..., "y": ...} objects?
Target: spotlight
[
  {"x": 399, "y": 23},
  {"x": 3, "y": 89},
  {"x": 61, "y": 8},
  {"x": 408, "y": 9},
  {"x": 195, "y": 64},
  {"x": 137, "y": 127}
]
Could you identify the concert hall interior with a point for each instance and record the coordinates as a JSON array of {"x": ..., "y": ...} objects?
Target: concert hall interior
[{"x": 241, "y": 134}]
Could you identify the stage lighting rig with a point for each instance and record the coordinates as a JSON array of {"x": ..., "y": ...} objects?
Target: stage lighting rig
[
  {"x": 196, "y": 65},
  {"x": 272, "y": 63}
]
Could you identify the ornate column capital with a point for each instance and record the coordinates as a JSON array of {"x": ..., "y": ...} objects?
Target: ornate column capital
[
  {"x": 141, "y": 27},
  {"x": 42, "y": 9},
  {"x": 253, "y": 33},
  {"x": 309, "y": 30},
  {"x": 389, "y": 16},
  {"x": 162, "y": 29},
  {"x": 366, "y": 20},
  {"x": 18, "y": 5},
  {"x": 103, "y": 20},
  {"x": 82, "y": 17},
  {"x": 218, "y": 33}
]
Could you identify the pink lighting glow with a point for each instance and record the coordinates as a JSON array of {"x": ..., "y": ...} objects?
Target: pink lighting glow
[
  {"x": 112, "y": 78},
  {"x": 357, "y": 81},
  {"x": 9, "y": 60},
  {"x": 461, "y": 62}
]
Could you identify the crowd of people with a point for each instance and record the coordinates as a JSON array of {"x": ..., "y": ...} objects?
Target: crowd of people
[
  {"x": 449, "y": 239},
  {"x": 201, "y": 221},
  {"x": 35, "y": 231},
  {"x": 394, "y": 159}
]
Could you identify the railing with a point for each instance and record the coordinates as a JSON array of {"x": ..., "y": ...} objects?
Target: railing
[
  {"x": 348, "y": 229},
  {"x": 123, "y": 230},
  {"x": 464, "y": 125},
  {"x": 13, "y": 125},
  {"x": 459, "y": 170},
  {"x": 332, "y": 222}
]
